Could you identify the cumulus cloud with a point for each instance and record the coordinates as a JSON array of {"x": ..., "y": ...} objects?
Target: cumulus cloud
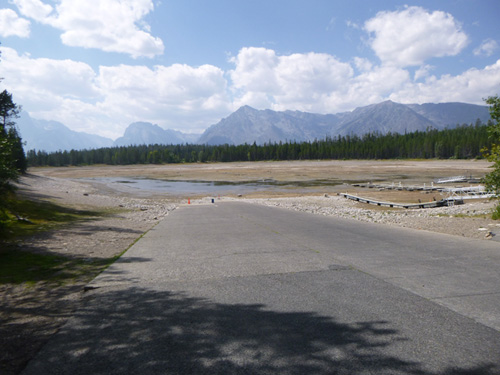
[
  {"x": 191, "y": 98},
  {"x": 321, "y": 83},
  {"x": 109, "y": 25},
  {"x": 411, "y": 36},
  {"x": 176, "y": 96},
  {"x": 35, "y": 9},
  {"x": 376, "y": 85},
  {"x": 255, "y": 70},
  {"x": 307, "y": 81},
  {"x": 106, "y": 102},
  {"x": 487, "y": 48},
  {"x": 12, "y": 25},
  {"x": 298, "y": 81},
  {"x": 62, "y": 90},
  {"x": 469, "y": 87},
  {"x": 64, "y": 78},
  {"x": 423, "y": 72},
  {"x": 363, "y": 65}
]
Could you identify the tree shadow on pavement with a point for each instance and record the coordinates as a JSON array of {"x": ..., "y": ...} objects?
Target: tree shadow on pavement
[{"x": 143, "y": 331}]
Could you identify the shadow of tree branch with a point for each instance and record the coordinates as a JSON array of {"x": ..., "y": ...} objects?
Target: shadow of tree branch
[{"x": 135, "y": 330}]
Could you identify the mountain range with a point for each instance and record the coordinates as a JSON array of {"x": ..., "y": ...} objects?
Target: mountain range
[
  {"x": 249, "y": 125},
  {"x": 146, "y": 133},
  {"x": 54, "y": 136}
]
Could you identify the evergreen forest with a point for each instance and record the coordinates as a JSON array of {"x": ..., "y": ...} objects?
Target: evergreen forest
[{"x": 462, "y": 142}]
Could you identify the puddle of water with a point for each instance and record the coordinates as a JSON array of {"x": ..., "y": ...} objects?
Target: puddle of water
[{"x": 176, "y": 187}]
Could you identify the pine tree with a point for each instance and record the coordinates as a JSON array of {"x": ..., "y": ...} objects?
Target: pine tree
[
  {"x": 492, "y": 179},
  {"x": 12, "y": 158}
]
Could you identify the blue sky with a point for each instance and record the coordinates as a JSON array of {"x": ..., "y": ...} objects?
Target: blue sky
[{"x": 98, "y": 65}]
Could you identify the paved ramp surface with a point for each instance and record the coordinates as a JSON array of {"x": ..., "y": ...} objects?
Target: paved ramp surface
[{"x": 234, "y": 288}]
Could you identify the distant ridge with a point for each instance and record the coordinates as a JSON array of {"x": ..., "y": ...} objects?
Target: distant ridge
[
  {"x": 446, "y": 114},
  {"x": 249, "y": 125},
  {"x": 50, "y": 136},
  {"x": 145, "y": 133},
  {"x": 383, "y": 118}
]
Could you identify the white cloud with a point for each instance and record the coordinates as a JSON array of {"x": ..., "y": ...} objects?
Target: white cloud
[
  {"x": 307, "y": 81},
  {"x": 331, "y": 24},
  {"x": 377, "y": 84},
  {"x": 35, "y": 9},
  {"x": 176, "y": 96},
  {"x": 12, "y": 25},
  {"x": 190, "y": 98},
  {"x": 362, "y": 64},
  {"x": 64, "y": 78},
  {"x": 299, "y": 81},
  {"x": 487, "y": 48},
  {"x": 109, "y": 25},
  {"x": 106, "y": 102},
  {"x": 320, "y": 83},
  {"x": 62, "y": 90},
  {"x": 255, "y": 70},
  {"x": 469, "y": 87},
  {"x": 352, "y": 24},
  {"x": 423, "y": 72},
  {"x": 411, "y": 36}
]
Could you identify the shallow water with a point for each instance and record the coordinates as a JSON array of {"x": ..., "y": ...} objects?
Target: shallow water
[{"x": 176, "y": 187}]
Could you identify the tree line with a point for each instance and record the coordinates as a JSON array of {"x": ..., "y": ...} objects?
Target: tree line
[
  {"x": 462, "y": 142},
  {"x": 492, "y": 152},
  {"x": 12, "y": 158}
]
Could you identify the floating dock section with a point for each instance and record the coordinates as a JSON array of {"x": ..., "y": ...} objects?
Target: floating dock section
[
  {"x": 456, "y": 195},
  {"x": 433, "y": 204},
  {"x": 472, "y": 192},
  {"x": 456, "y": 179},
  {"x": 399, "y": 187}
]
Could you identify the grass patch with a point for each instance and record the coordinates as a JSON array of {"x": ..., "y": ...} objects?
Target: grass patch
[
  {"x": 477, "y": 216},
  {"x": 23, "y": 267},
  {"x": 23, "y": 217},
  {"x": 495, "y": 215}
]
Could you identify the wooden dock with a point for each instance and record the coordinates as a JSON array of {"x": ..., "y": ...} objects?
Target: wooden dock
[
  {"x": 400, "y": 187},
  {"x": 456, "y": 195},
  {"x": 432, "y": 204}
]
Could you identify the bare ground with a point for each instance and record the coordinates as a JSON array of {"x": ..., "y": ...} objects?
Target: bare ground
[
  {"x": 348, "y": 170},
  {"x": 29, "y": 315}
]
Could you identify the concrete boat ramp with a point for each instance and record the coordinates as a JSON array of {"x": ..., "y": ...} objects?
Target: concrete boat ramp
[{"x": 235, "y": 288}]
